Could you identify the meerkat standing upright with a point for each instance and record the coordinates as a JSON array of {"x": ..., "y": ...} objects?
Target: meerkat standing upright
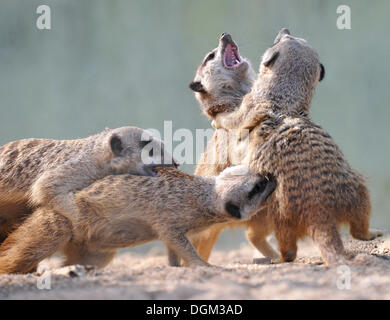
[
  {"x": 222, "y": 80},
  {"x": 317, "y": 189},
  {"x": 125, "y": 210},
  {"x": 42, "y": 172}
]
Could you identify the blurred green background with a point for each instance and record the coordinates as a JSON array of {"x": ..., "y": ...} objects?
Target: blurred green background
[{"x": 119, "y": 62}]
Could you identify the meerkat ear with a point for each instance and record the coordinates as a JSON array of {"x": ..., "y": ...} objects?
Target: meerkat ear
[
  {"x": 322, "y": 73},
  {"x": 281, "y": 34},
  {"x": 233, "y": 210},
  {"x": 197, "y": 87},
  {"x": 116, "y": 145},
  {"x": 270, "y": 58}
]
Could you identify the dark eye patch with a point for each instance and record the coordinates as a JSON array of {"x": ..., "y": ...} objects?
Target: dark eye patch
[
  {"x": 233, "y": 210},
  {"x": 322, "y": 73},
  {"x": 211, "y": 56},
  {"x": 258, "y": 188}
]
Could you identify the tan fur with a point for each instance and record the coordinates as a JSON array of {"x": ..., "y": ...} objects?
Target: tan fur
[
  {"x": 317, "y": 189},
  {"x": 220, "y": 88},
  {"x": 225, "y": 89},
  {"x": 126, "y": 210},
  {"x": 37, "y": 172}
]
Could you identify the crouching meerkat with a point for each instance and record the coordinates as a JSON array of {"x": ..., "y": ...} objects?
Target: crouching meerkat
[
  {"x": 222, "y": 79},
  {"x": 126, "y": 210},
  {"x": 43, "y": 172},
  {"x": 317, "y": 188}
]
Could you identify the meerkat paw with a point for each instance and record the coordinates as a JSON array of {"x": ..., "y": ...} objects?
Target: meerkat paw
[
  {"x": 75, "y": 271},
  {"x": 276, "y": 261},
  {"x": 193, "y": 264},
  {"x": 371, "y": 235}
]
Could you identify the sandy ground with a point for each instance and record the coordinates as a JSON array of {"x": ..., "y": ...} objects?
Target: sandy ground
[{"x": 146, "y": 276}]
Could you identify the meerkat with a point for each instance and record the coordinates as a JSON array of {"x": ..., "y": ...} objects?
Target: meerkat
[
  {"x": 317, "y": 188},
  {"x": 222, "y": 80},
  {"x": 126, "y": 210},
  {"x": 43, "y": 172},
  {"x": 287, "y": 87}
]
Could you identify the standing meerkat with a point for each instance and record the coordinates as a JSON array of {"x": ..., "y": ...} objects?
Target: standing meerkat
[
  {"x": 222, "y": 80},
  {"x": 126, "y": 210},
  {"x": 317, "y": 189},
  {"x": 42, "y": 172}
]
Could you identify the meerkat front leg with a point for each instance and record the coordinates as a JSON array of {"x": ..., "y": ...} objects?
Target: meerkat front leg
[
  {"x": 182, "y": 246},
  {"x": 287, "y": 241},
  {"x": 55, "y": 189},
  {"x": 173, "y": 258},
  {"x": 359, "y": 227},
  {"x": 37, "y": 238},
  {"x": 246, "y": 117}
]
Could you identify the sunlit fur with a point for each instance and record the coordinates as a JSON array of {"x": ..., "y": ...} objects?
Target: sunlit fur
[{"x": 127, "y": 210}]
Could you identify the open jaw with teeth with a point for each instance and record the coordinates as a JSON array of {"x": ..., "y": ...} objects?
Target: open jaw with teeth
[{"x": 231, "y": 58}]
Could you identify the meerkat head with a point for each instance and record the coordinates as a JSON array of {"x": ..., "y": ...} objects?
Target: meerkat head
[
  {"x": 223, "y": 78},
  {"x": 242, "y": 192},
  {"x": 137, "y": 152},
  {"x": 289, "y": 72}
]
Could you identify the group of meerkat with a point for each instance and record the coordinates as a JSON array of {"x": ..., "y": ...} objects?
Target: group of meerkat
[
  {"x": 317, "y": 190},
  {"x": 87, "y": 198}
]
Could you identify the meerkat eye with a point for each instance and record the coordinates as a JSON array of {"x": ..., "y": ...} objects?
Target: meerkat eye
[
  {"x": 211, "y": 56},
  {"x": 151, "y": 153},
  {"x": 322, "y": 72},
  {"x": 258, "y": 188},
  {"x": 233, "y": 210}
]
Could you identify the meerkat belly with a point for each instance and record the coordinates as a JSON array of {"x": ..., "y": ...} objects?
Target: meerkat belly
[
  {"x": 310, "y": 169},
  {"x": 122, "y": 233}
]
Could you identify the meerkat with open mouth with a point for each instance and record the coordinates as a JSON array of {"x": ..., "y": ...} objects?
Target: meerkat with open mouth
[
  {"x": 317, "y": 188},
  {"x": 222, "y": 79}
]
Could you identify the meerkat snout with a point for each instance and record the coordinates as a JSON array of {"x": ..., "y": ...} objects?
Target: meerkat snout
[{"x": 243, "y": 191}]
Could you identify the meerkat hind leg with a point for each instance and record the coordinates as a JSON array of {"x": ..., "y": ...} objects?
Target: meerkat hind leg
[
  {"x": 328, "y": 240},
  {"x": 37, "y": 238},
  {"x": 359, "y": 230}
]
